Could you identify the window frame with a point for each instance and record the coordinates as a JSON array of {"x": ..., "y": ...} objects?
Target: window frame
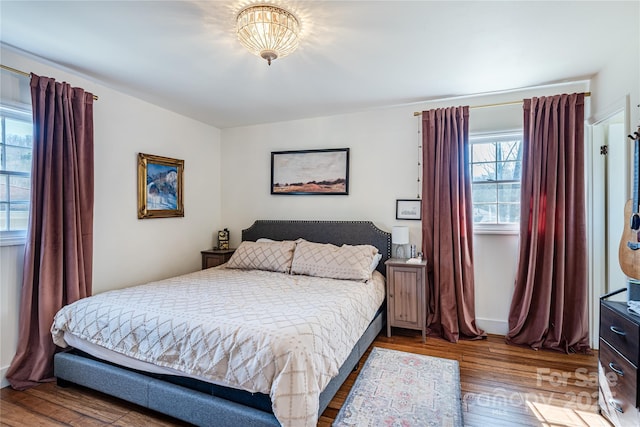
[
  {"x": 494, "y": 228},
  {"x": 17, "y": 111}
]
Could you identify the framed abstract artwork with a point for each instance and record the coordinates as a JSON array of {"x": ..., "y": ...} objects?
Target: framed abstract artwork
[
  {"x": 160, "y": 183},
  {"x": 318, "y": 172},
  {"x": 409, "y": 209}
]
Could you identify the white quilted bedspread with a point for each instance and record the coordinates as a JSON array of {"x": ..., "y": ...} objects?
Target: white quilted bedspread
[{"x": 273, "y": 333}]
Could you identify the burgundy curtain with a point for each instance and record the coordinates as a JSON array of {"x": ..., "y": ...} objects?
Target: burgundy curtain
[
  {"x": 447, "y": 236},
  {"x": 59, "y": 248},
  {"x": 549, "y": 305}
]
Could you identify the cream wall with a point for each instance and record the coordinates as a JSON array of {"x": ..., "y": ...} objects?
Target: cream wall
[
  {"x": 128, "y": 250},
  {"x": 384, "y": 155}
]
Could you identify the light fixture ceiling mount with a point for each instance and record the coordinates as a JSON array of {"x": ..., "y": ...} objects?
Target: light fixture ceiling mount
[{"x": 268, "y": 31}]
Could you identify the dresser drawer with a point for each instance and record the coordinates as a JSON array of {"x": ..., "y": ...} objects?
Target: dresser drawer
[
  {"x": 620, "y": 415},
  {"x": 621, "y": 379},
  {"x": 620, "y": 332}
]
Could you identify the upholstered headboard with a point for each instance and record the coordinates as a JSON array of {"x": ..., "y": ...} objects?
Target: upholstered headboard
[{"x": 334, "y": 232}]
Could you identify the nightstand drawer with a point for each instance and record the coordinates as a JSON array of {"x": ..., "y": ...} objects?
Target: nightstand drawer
[
  {"x": 618, "y": 384},
  {"x": 619, "y": 331}
]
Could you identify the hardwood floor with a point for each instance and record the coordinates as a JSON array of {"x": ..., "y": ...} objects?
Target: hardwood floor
[
  {"x": 504, "y": 385},
  {"x": 501, "y": 385}
]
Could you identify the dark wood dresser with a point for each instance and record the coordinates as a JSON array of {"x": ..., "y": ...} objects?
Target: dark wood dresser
[
  {"x": 618, "y": 361},
  {"x": 215, "y": 257}
]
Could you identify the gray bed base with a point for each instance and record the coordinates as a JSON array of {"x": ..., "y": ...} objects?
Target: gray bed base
[
  {"x": 204, "y": 409},
  {"x": 192, "y": 406}
]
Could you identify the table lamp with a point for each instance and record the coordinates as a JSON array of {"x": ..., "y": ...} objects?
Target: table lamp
[{"x": 399, "y": 238}]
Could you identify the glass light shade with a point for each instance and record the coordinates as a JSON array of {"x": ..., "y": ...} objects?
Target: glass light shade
[{"x": 268, "y": 31}]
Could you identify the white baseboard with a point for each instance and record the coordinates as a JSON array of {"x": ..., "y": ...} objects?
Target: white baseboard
[
  {"x": 493, "y": 326},
  {"x": 4, "y": 382}
]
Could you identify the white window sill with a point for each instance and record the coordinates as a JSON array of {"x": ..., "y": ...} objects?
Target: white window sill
[
  {"x": 13, "y": 238},
  {"x": 496, "y": 229}
]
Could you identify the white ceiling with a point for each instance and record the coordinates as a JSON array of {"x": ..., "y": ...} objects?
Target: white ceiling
[{"x": 354, "y": 55}]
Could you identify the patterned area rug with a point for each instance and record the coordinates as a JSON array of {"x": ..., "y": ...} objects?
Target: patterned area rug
[{"x": 401, "y": 389}]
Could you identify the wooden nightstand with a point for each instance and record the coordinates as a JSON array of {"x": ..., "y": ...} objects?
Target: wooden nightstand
[
  {"x": 215, "y": 257},
  {"x": 406, "y": 295}
]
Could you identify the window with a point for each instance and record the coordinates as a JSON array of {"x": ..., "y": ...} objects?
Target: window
[
  {"x": 16, "y": 145},
  {"x": 496, "y": 170}
]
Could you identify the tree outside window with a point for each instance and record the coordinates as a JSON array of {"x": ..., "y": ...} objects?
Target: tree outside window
[
  {"x": 16, "y": 146},
  {"x": 496, "y": 170}
]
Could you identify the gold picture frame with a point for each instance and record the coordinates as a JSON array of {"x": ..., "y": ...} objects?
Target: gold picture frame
[{"x": 160, "y": 184}]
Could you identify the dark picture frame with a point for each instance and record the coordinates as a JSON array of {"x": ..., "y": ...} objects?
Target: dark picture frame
[
  {"x": 160, "y": 185},
  {"x": 313, "y": 172},
  {"x": 410, "y": 209}
]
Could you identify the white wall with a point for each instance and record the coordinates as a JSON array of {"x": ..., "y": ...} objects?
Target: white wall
[
  {"x": 11, "y": 259},
  {"x": 615, "y": 88},
  {"x": 383, "y": 151},
  {"x": 128, "y": 250},
  {"x": 617, "y": 82},
  {"x": 384, "y": 157}
]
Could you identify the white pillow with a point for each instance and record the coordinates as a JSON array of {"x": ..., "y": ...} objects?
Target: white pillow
[
  {"x": 374, "y": 262},
  {"x": 269, "y": 256},
  {"x": 331, "y": 261}
]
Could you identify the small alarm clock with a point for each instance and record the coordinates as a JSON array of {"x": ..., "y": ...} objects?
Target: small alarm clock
[{"x": 223, "y": 239}]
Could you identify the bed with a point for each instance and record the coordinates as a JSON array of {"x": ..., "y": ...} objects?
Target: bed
[{"x": 297, "y": 373}]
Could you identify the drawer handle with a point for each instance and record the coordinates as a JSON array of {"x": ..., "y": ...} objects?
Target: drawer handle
[
  {"x": 615, "y": 369},
  {"x": 618, "y": 331},
  {"x": 616, "y": 406}
]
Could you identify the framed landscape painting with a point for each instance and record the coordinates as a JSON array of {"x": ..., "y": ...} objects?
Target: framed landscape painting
[
  {"x": 319, "y": 172},
  {"x": 159, "y": 187}
]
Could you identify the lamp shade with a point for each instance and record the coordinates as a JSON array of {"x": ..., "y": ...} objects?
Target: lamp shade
[{"x": 400, "y": 235}]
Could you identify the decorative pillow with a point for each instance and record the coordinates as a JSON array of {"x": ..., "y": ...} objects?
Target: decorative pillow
[
  {"x": 374, "y": 262},
  {"x": 335, "y": 262},
  {"x": 269, "y": 256}
]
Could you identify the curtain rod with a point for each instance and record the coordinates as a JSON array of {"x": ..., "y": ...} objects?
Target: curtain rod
[
  {"x": 498, "y": 104},
  {"x": 22, "y": 73}
]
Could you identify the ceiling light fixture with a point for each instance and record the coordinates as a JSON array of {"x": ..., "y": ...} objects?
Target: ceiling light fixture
[{"x": 268, "y": 31}]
